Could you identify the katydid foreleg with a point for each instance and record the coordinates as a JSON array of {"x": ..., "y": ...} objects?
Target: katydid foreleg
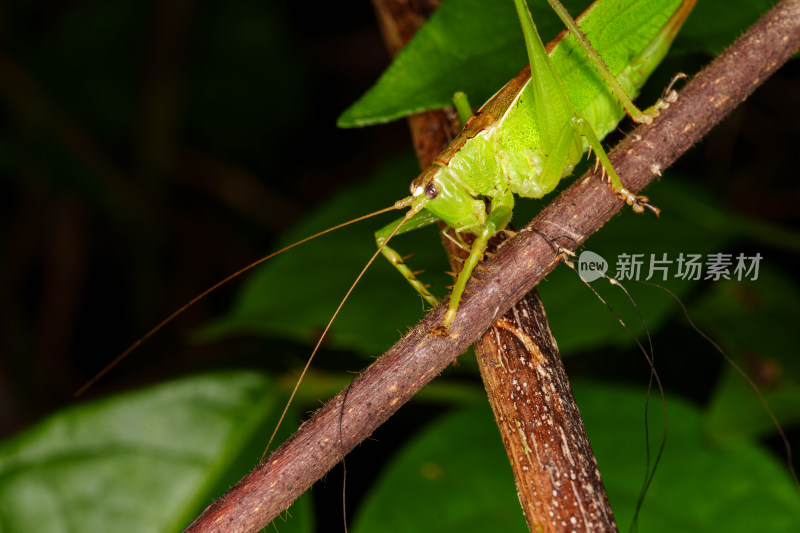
[{"x": 420, "y": 220}]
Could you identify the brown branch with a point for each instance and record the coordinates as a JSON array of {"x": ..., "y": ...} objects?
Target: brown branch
[
  {"x": 418, "y": 357},
  {"x": 556, "y": 474}
]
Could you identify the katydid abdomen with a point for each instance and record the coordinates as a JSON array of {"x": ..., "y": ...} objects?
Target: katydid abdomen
[{"x": 511, "y": 147}]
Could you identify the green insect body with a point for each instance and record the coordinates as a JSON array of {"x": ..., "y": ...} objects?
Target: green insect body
[{"x": 535, "y": 129}]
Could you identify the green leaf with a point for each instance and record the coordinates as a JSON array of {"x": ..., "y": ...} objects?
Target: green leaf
[
  {"x": 454, "y": 476},
  {"x": 699, "y": 485},
  {"x": 468, "y": 45},
  {"x": 143, "y": 461}
]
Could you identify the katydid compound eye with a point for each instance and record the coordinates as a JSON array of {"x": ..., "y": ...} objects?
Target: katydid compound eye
[{"x": 431, "y": 191}]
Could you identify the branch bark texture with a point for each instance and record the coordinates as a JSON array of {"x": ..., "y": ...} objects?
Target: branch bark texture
[{"x": 521, "y": 263}]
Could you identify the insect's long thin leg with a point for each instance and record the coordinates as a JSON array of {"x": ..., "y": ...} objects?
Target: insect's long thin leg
[
  {"x": 637, "y": 202},
  {"x": 420, "y": 220},
  {"x": 667, "y": 33},
  {"x": 499, "y": 217}
]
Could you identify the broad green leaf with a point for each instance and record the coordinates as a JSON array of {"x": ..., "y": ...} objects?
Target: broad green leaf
[
  {"x": 143, "y": 461},
  {"x": 468, "y": 45},
  {"x": 699, "y": 485},
  {"x": 454, "y": 476}
]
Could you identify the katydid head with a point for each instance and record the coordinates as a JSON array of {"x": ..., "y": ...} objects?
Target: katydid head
[{"x": 439, "y": 191}]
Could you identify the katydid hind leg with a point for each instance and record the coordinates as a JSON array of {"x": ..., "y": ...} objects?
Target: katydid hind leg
[
  {"x": 635, "y": 113},
  {"x": 559, "y": 124},
  {"x": 552, "y": 108},
  {"x": 638, "y": 202},
  {"x": 639, "y": 116},
  {"x": 652, "y": 54}
]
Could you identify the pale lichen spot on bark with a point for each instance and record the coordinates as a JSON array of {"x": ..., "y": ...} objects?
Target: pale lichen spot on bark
[{"x": 655, "y": 168}]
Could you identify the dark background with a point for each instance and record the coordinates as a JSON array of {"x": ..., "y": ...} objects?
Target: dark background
[{"x": 148, "y": 149}]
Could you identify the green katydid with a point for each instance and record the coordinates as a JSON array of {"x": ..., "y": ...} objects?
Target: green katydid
[
  {"x": 515, "y": 144},
  {"x": 557, "y": 177},
  {"x": 526, "y": 138}
]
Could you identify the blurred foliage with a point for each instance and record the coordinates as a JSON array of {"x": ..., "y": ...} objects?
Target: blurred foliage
[{"x": 147, "y": 150}]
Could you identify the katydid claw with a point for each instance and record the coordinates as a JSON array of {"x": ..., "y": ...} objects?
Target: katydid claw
[
  {"x": 443, "y": 329},
  {"x": 638, "y": 202},
  {"x": 670, "y": 96}
]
